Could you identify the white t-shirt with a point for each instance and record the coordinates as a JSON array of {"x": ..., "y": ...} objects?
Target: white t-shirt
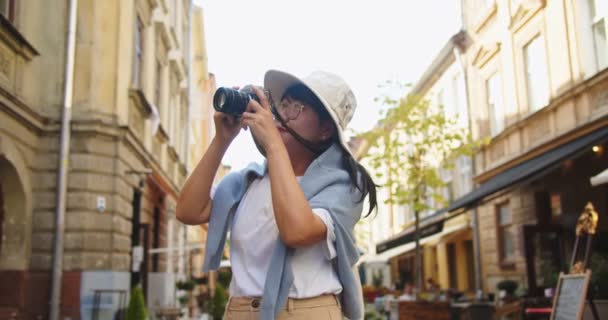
[{"x": 253, "y": 237}]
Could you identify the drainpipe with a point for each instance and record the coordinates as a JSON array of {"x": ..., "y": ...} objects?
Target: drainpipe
[
  {"x": 63, "y": 163},
  {"x": 474, "y": 214}
]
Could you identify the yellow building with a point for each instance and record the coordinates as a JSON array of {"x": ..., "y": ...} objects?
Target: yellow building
[
  {"x": 201, "y": 131},
  {"x": 128, "y": 152},
  {"x": 538, "y": 86},
  {"x": 536, "y": 82}
]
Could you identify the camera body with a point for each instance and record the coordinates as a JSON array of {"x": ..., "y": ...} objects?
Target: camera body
[{"x": 233, "y": 102}]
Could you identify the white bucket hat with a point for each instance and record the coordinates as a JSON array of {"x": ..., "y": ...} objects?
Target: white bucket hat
[{"x": 333, "y": 92}]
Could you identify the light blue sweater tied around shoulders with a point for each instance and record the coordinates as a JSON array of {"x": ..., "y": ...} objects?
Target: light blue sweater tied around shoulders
[{"x": 326, "y": 185}]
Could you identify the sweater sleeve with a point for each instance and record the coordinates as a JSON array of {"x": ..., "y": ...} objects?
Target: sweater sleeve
[{"x": 330, "y": 239}]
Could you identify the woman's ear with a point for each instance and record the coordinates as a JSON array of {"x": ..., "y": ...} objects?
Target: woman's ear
[{"x": 327, "y": 130}]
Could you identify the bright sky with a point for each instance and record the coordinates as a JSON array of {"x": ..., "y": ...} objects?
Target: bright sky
[{"x": 365, "y": 42}]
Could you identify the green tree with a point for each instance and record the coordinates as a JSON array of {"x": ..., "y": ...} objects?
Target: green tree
[
  {"x": 137, "y": 306},
  {"x": 413, "y": 142}
]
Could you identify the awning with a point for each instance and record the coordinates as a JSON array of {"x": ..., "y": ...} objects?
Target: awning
[
  {"x": 386, "y": 255},
  {"x": 530, "y": 169},
  {"x": 405, "y": 248},
  {"x": 600, "y": 178},
  {"x": 448, "y": 230},
  {"x": 408, "y": 235}
]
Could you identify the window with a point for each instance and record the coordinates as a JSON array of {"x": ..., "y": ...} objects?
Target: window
[
  {"x": 460, "y": 103},
  {"x": 440, "y": 98},
  {"x": 7, "y": 9},
  {"x": 174, "y": 14},
  {"x": 448, "y": 189},
  {"x": 506, "y": 237},
  {"x": 174, "y": 110},
  {"x": 185, "y": 127},
  {"x": 556, "y": 204},
  {"x": 537, "y": 78},
  {"x": 158, "y": 83},
  {"x": 495, "y": 104},
  {"x": 452, "y": 264},
  {"x": 465, "y": 174},
  {"x": 599, "y": 27},
  {"x": 138, "y": 53}
]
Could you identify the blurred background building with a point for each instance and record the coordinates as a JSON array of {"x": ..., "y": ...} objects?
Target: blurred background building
[
  {"x": 140, "y": 119},
  {"x": 534, "y": 77},
  {"x": 538, "y": 86}
]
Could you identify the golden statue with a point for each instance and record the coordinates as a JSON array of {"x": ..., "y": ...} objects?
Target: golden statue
[
  {"x": 587, "y": 222},
  {"x": 577, "y": 268}
]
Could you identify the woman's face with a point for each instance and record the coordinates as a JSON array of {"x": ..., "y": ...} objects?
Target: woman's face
[{"x": 304, "y": 120}]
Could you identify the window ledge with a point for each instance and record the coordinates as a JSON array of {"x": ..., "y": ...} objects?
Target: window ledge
[
  {"x": 161, "y": 134},
  {"x": 173, "y": 153},
  {"x": 14, "y": 39},
  {"x": 153, "y": 3},
  {"x": 141, "y": 101},
  {"x": 524, "y": 12}
]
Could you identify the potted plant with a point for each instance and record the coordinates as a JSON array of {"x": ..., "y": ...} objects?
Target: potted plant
[
  {"x": 599, "y": 276},
  {"x": 137, "y": 307},
  {"x": 508, "y": 287},
  {"x": 218, "y": 302},
  {"x": 187, "y": 285},
  {"x": 183, "y": 300},
  {"x": 201, "y": 281},
  {"x": 369, "y": 293}
]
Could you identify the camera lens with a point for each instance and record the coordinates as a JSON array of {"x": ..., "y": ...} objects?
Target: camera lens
[
  {"x": 221, "y": 100},
  {"x": 231, "y": 101}
]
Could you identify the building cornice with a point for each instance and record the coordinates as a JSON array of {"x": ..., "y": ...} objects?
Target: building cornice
[
  {"x": 485, "y": 17},
  {"x": 441, "y": 62},
  {"x": 524, "y": 120},
  {"x": 535, "y": 152}
]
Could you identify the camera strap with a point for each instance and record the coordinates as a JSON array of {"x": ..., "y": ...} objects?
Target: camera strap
[{"x": 316, "y": 148}]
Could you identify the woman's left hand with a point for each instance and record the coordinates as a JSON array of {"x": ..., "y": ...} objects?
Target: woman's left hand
[{"x": 259, "y": 119}]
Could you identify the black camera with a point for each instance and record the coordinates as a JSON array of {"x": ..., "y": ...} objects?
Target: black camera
[{"x": 233, "y": 102}]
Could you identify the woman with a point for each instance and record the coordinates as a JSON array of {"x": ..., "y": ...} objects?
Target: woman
[{"x": 292, "y": 218}]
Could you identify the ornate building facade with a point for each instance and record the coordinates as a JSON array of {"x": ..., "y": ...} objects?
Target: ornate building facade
[{"x": 129, "y": 151}]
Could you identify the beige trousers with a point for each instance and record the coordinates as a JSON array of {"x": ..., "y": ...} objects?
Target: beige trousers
[{"x": 318, "y": 308}]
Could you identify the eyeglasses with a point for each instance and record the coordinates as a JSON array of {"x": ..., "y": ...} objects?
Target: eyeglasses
[{"x": 290, "y": 111}]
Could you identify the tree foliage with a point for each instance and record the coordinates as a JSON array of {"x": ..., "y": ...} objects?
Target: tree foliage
[{"x": 413, "y": 142}]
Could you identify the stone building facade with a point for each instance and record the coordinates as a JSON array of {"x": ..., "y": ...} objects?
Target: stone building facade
[
  {"x": 129, "y": 150},
  {"x": 538, "y": 86}
]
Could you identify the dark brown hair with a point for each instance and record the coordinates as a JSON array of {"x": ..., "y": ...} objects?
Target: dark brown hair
[{"x": 359, "y": 176}]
